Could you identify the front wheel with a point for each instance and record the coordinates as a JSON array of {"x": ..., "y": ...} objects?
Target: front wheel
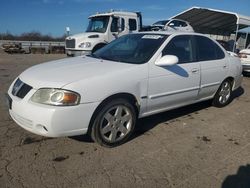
[
  {"x": 97, "y": 47},
  {"x": 223, "y": 95},
  {"x": 114, "y": 123}
]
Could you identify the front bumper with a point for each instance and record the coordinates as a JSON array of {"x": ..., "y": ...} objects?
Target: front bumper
[
  {"x": 74, "y": 53},
  {"x": 51, "y": 121}
]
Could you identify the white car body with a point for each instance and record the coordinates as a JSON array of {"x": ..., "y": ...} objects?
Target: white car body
[
  {"x": 245, "y": 59},
  {"x": 173, "y": 25},
  {"x": 156, "y": 89}
]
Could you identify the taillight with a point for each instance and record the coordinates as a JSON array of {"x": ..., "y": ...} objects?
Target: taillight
[{"x": 242, "y": 55}]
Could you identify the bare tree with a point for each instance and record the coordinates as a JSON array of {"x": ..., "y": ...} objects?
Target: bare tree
[{"x": 31, "y": 36}]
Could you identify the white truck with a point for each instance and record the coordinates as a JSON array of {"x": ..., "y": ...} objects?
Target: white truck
[{"x": 102, "y": 29}]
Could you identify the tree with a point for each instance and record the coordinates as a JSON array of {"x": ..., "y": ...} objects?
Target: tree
[{"x": 31, "y": 36}]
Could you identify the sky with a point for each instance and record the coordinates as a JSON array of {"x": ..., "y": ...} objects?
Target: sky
[{"x": 53, "y": 16}]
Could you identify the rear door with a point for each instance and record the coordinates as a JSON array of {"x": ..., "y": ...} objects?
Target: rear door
[{"x": 214, "y": 65}]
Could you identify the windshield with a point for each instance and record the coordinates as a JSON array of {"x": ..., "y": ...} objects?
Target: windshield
[
  {"x": 162, "y": 22},
  {"x": 133, "y": 48},
  {"x": 98, "y": 24}
]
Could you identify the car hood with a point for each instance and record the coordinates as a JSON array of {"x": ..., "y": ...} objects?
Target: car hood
[{"x": 57, "y": 74}]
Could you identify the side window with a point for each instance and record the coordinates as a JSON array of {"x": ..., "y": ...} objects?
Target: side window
[
  {"x": 208, "y": 49},
  {"x": 122, "y": 24},
  {"x": 173, "y": 23},
  {"x": 132, "y": 24},
  {"x": 180, "y": 46},
  {"x": 182, "y": 24},
  {"x": 177, "y": 23},
  {"x": 114, "y": 25}
]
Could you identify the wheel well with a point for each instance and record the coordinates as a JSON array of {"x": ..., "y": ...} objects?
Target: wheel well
[
  {"x": 98, "y": 46},
  {"x": 231, "y": 79},
  {"x": 131, "y": 98}
]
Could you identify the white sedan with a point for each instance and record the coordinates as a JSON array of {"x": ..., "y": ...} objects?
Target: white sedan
[
  {"x": 134, "y": 76},
  {"x": 245, "y": 59},
  {"x": 172, "y": 25}
]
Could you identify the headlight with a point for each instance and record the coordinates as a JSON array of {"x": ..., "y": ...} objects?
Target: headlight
[
  {"x": 57, "y": 97},
  {"x": 85, "y": 45}
]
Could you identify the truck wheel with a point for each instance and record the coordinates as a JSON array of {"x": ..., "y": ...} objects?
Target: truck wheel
[
  {"x": 114, "y": 123},
  {"x": 97, "y": 47},
  {"x": 223, "y": 95}
]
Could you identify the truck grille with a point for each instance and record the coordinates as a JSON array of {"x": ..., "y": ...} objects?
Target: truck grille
[
  {"x": 70, "y": 43},
  {"x": 20, "y": 89}
]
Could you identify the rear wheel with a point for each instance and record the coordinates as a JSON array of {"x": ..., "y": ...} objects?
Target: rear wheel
[
  {"x": 114, "y": 123},
  {"x": 223, "y": 95}
]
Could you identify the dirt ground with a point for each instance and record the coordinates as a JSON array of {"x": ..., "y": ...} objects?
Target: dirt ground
[{"x": 198, "y": 146}]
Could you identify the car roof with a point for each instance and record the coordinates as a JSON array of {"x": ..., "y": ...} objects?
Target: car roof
[
  {"x": 171, "y": 33},
  {"x": 113, "y": 13},
  {"x": 171, "y": 19},
  {"x": 178, "y": 19}
]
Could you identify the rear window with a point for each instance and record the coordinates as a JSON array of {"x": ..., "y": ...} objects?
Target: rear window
[{"x": 207, "y": 49}]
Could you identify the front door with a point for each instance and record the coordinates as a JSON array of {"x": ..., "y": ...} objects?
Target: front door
[
  {"x": 176, "y": 85},
  {"x": 117, "y": 30}
]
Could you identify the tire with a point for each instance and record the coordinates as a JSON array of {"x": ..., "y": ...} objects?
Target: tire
[
  {"x": 223, "y": 95},
  {"x": 114, "y": 123}
]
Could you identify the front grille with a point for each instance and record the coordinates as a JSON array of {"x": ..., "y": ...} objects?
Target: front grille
[
  {"x": 20, "y": 89},
  {"x": 70, "y": 43}
]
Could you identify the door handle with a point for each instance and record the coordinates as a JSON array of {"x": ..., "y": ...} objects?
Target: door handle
[
  {"x": 224, "y": 66},
  {"x": 195, "y": 70}
]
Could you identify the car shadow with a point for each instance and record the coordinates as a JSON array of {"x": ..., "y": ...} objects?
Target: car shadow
[
  {"x": 237, "y": 93},
  {"x": 239, "y": 180},
  {"x": 246, "y": 74},
  {"x": 176, "y": 69},
  {"x": 145, "y": 124},
  {"x": 82, "y": 138}
]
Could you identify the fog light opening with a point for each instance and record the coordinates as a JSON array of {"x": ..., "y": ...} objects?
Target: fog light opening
[{"x": 42, "y": 129}]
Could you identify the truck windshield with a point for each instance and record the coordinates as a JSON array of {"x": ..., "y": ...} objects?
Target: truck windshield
[
  {"x": 98, "y": 24},
  {"x": 132, "y": 48}
]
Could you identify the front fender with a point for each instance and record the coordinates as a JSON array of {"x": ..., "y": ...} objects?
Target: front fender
[{"x": 98, "y": 88}]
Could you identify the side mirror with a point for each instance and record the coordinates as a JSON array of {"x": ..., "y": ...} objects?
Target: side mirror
[
  {"x": 119, "y": 25},
  {"x": 167, "y": 60}
]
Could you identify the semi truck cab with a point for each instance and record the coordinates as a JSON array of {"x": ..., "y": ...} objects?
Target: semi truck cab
[{"x": 102, "y": 29}]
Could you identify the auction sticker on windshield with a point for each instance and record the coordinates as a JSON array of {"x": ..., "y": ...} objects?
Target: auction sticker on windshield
[{"x": 152, "y": 37}]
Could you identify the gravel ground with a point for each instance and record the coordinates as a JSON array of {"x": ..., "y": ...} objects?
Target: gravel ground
[{"x": 195, "y": 146}]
